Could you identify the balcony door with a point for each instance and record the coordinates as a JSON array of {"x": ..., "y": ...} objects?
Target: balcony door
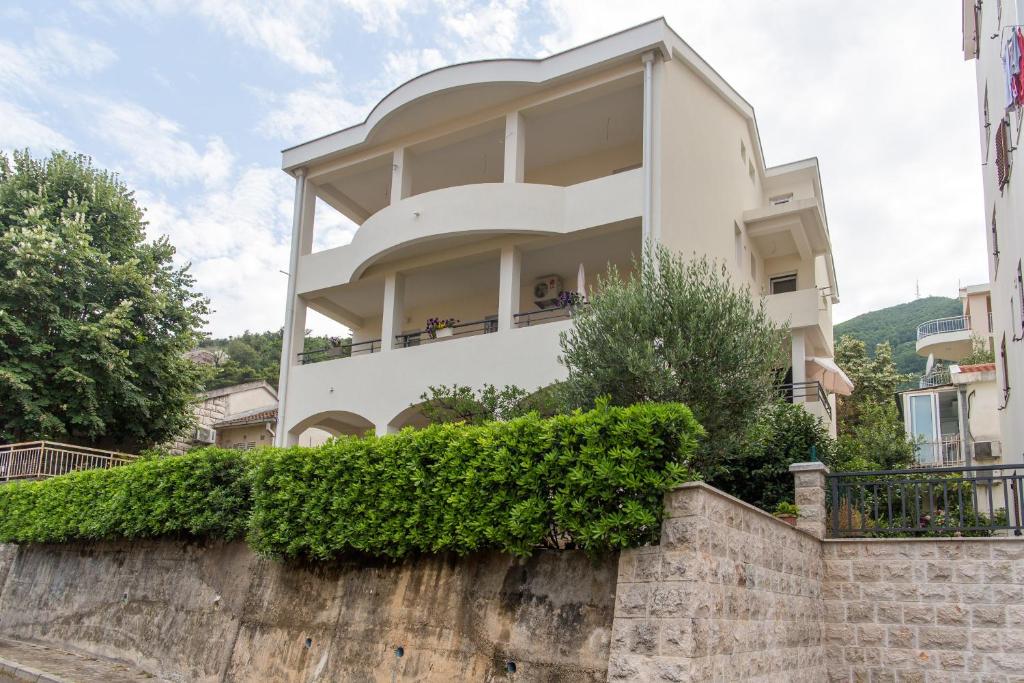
[{"x": 923, "y": 421}]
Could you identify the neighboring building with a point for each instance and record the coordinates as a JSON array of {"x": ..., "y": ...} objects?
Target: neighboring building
[
  {"x": 220, "y": 406},
  {"x": 989, "y": 26},
  {"x": 954, "y": 411},
  {"x": 485, "y": 189}
]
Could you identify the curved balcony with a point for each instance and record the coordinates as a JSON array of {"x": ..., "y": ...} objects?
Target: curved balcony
[
  {"x": 945, "y": 338},
  {"x": 485, "y": 209}
]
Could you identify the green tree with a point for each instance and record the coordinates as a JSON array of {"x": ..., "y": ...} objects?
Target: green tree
[
  {"x": 252, "y": 356},
  {"x": 981, "y": 352},
  {"x": 677, "y": 330},
  {"x": 457, "y": 403},
  {"x": 871, "y": 433},
  {"x": 94, "y": 320}
]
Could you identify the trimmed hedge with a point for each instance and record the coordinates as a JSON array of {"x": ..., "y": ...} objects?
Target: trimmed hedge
[
  {"x": 594, "y": 480},
  {"x": 206, "y": 493}
]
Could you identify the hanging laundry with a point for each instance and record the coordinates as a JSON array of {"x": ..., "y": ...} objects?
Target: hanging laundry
[
  {"x": 1019, "y": 64},
  {"x": 1012, "y": 70}
]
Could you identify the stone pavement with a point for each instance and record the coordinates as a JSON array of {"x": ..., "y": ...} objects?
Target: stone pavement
[{"x": 20, "y": 661}]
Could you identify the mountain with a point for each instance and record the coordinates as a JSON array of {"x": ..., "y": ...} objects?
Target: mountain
[{"x": 898, "y": 325}]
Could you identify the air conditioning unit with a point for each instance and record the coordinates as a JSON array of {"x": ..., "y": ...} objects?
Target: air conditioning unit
[
  {"x": 205, "y": 435},
  {"x": 987, "y": 450},
  {"x": 546, "y": 291}
]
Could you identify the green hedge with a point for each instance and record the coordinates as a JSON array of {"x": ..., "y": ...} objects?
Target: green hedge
[
  {"x": 594, "y": 480},
  {"x": 206, "y": 493}
]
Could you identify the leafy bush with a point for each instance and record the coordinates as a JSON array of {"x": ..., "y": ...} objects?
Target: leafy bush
[
  {"x": 458, "y": 403},
  {"x": 759, "y": 473},
  {"x": 593, "y": 480},
  {"x": 205, "y": 493}
]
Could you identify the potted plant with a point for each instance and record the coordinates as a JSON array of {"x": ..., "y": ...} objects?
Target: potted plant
[
  {"x": 440, "y": 327},
  {"x": 569, "y": 299},
  {"x": 787, "y": 512}
]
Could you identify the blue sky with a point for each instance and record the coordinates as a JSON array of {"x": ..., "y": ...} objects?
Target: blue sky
[{"x": 191, "y": 102}]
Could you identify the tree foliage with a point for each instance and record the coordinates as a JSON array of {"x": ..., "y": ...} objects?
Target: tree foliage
[
  {"x": 251, "y": 356},
  {"x": 458, "y": 403},
  {"x": 678, "y": 330},
  {"x": 871, "y": 433},
  {"x": 594, "y": 480},
  {"x": 981, "y": 352},
  {"x": 94, "y": 320}
]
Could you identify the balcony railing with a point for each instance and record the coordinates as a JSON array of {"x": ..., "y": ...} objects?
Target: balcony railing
[
  {"x": 808, "y": 392},
  {"x": 345, "y": 350},
  {"x": 44, "y": 459},
  {"x": 466, "y": 329},
  {"x": 945, "y": 501},
  {"x": 542, "y": 316},
  {"x": 946, "y": 452},
  {"x": 935, "y": 378},
  {"x": 942, "y": 325}
]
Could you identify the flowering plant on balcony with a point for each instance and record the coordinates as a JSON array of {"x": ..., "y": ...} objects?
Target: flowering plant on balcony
[
  {"x": 435, "y": 324},
  {"x": 569, "y": 299}
]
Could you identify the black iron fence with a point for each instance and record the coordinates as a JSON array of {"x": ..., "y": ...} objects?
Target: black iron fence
[
  {"x": 545, "y": 315},
  {"x": 805, "y": 392},
  {"x": 940, "y": 501},
  {"x": 460, "y": 329},
  {"x": 344, "y": 350}
]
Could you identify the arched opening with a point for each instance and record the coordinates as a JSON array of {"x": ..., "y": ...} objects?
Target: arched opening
[
  {"x": 410, "y": 417},
  {"x": 328, "y": 424}
]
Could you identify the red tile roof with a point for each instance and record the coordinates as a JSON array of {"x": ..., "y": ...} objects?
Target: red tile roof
[
  {"x": 255, "y": 418},
  {"x": 979, "y": 367}
]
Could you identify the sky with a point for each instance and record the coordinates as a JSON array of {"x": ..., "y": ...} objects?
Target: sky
[{"x": 192, "y": 101}]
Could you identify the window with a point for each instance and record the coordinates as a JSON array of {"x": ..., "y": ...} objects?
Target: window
[
  {"x": 923, "y": 419},
  {"x": 738, "y": 244},
  {"x": 987, "y": 125},
  {"x": 1005, "y": 367},
  {"x": 780, "y": 284},
  {"x": 1020, "y": 298},
  {"x": 995, "y": 243}
]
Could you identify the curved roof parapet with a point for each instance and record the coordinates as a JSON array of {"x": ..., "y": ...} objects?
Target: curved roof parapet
[{"x": 489, "y": 83}]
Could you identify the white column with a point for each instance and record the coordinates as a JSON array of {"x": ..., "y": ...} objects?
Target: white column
[
  {"x": 394, "y": 310},
  {"x": 401, "y": 175},
  {"x": 798, "y": 359},
  {"x": 648, "y": 147},
  {"x": 509, "y": 286},
  {"x": 515, "y": 147},
  {"x": 293, "y": 335}
]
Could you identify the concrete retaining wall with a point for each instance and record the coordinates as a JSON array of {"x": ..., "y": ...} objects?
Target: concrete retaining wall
[{"x": 188, "y": 612}]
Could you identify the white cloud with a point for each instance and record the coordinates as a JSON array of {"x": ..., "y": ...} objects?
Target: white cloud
[
  {"x": 52, "y": 53},
  {"x": 489, "y": 31},
  {"x": 308, "y": 113},
  {"x": 20, "y": 128},
  {"x": 154, "y": 146},
  {"x": 403, "y": 65},
  {"x": 384, "y": 15}
]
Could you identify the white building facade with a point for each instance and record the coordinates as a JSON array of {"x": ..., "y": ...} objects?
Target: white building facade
[
  {"x": 485, "y": 189},
  {"x": 989, "y": 26}
]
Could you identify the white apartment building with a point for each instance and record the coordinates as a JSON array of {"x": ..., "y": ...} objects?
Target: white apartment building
[
  {"x": 989, "y": 26},
  {"x": 953, "y": 413},
  {"x": 484, "y": 189}
]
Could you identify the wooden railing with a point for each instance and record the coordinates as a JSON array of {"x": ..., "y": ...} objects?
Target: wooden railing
[{"x": 44, "y": 459}]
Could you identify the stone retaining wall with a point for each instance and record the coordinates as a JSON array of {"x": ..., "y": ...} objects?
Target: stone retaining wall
[
  {"x": 925, "y": 609},
  {"x": 730, "y": 594}
]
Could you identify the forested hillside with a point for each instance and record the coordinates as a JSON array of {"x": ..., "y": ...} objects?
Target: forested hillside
[
  {"x": 249, "y": 356},
  {"x": 898, "y": 325}
]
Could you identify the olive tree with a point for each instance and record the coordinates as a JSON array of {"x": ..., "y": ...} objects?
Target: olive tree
[{"x": 677, "y": 330}]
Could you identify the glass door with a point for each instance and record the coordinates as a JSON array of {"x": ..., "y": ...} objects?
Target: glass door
[{"x": 923, "y": 422}]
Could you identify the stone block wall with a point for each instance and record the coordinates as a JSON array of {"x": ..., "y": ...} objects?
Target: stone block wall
[
  {"x": 925, "y": 610},
  {"x": 206, "y": 413},
  {"x": 730, "y": 594}
]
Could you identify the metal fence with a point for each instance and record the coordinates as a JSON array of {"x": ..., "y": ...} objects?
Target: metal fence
[
  {"x": 942, "y": 325},
  {"x": 460, "y": 329},
  {"x": 935, "y": 378},
  {"x": 942, "y": 501},
  {"x": 44, "y": 459},
  {"x": 806, "y": 392},
  {"x": 343, "y": 350}
]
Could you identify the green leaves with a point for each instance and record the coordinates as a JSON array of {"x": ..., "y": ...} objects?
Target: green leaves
[{"x": 593, "y": 480}]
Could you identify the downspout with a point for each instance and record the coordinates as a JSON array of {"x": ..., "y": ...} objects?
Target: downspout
[
  {"x": 648, "y": 207},
  {"x": 289, "y": 308}
]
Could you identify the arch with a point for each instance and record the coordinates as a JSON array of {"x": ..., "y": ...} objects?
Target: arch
[
  {"x": 410, "y": 417},
  {"x": 335, "y": 422}
]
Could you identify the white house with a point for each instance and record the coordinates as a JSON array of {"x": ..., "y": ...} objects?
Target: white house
[
  {"x": 482, "y": 190},
  {"x": 989, "y": 29}
]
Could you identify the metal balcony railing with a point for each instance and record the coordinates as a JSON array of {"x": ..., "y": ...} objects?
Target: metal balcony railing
[
  {"x": 44, "y": 459},
  {"x": 943, "y": 325},
  {"x": 935, "y": 378},
  {"x": 808, "y": 392},
  {"x": 344, "y": 350},
  {"x": 466, "y": 329},
  {"x": 545, "y": 315}
]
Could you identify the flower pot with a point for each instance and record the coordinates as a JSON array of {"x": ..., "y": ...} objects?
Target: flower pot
[
  {"x": 444, "y": 332},
  {"x": 788, "y": 519}
]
